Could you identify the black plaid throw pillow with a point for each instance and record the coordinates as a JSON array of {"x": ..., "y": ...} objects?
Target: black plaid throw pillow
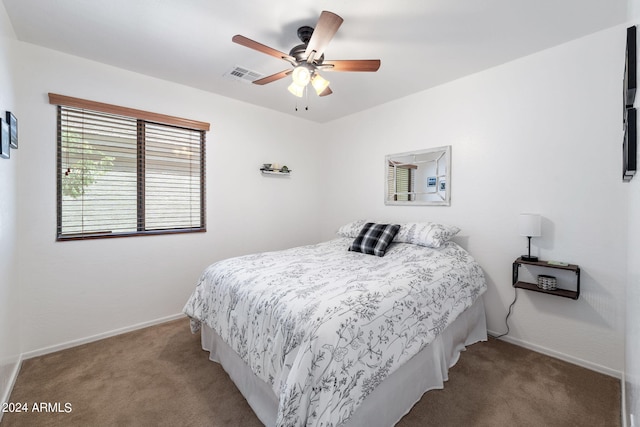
[{"x": 374, "y": 238}]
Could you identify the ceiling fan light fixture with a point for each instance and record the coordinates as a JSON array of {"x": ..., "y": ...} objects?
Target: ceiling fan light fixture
[
  {"x": 296, "y": 89},
  {"x": 307, "y": 58},
  {"x": 319, "y": 83},
  {"x": 301, "y": 75}
]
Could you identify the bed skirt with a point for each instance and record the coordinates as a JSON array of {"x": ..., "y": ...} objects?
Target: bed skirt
[{"x": 392, "y": 399}]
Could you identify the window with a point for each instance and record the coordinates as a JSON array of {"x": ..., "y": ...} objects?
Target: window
[
  {"x": 400, "y": 180},
  {"x": 404, "y": 187},
  {"x": 124, "y": 172}
]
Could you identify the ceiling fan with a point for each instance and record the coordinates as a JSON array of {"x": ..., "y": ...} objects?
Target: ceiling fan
[{"x": 307, "y": 58}]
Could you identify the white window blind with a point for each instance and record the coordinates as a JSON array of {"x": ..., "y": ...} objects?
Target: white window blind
[
  {"x": 120, "y": 176},
  {"x": 400, "y": 181},
  {"x": 172, "y": 177}
]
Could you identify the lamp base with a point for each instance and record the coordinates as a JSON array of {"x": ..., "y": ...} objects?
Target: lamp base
[{"x": 529, "y": 258}]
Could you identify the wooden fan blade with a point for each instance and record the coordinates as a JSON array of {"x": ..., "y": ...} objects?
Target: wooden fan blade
[
  {"x": 272, "y": 78},
  {"x": 351, "y": 65},
  {"x": 325, "y": 29},
  {"x": 326, "y": 92},
  {"x": 252, "y": 44}
]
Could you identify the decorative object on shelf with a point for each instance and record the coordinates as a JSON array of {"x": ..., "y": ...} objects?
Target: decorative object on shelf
[
  {"x": 13, "y": 129},
  {"x": 529, "y": 225},
  {"x": 274, "y": 169},
  {"x": 566, "y": 293},
  {"x": 4, "y": 139},
  {"x": 548, "y": 283}
]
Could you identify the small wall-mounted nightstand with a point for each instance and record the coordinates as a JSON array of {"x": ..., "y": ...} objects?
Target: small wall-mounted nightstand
[{"x": 534, "y": 287}]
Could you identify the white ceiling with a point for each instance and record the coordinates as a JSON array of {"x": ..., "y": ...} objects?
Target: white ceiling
[{"x": 421, "y": 43}]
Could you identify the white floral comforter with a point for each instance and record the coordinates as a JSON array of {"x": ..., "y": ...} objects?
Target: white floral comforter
[{"x": 324, "y": 326}]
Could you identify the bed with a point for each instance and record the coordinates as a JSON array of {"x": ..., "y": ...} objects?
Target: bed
[{"x": 321, "y": 335}]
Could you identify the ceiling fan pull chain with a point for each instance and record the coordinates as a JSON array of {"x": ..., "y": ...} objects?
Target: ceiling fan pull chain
[{"x": 306, "y": 92}]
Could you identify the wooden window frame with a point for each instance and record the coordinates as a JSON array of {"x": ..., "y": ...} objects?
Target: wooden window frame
[{"x": 142, "y": 118}]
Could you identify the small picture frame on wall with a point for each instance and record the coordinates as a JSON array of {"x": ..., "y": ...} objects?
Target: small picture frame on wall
[
  {"x": 431, "y": 181},
  {"x": 13, "y": 129},
  {"x": 629, "y": 146},
  {"x": 4, "y": 139},
  {"x": 630, "y": 69}
]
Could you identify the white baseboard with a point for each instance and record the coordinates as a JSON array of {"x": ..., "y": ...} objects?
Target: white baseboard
[
  {"x": 12, "y": 382},
  {"x": 75, "y": 343},
  {"x": 567, "y": 358}
]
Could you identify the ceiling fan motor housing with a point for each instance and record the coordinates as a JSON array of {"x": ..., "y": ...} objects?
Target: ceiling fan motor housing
[
  {"x": 298, "y": 52},
  {"x": 304, "y": 34}
]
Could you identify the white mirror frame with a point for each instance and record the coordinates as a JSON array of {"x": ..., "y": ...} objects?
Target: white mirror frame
[{"x": 439, "y": 196}]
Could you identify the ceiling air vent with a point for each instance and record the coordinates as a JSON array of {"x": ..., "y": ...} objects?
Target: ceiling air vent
[{"x": 242, "y": 74}]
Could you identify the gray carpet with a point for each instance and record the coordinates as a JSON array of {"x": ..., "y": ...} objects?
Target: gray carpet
[{"x": 159, "y": 376}]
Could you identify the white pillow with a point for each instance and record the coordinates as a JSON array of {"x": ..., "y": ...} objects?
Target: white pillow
[
  {"x": 352, "y": 229},
  {"x": 430, "y": 234}
]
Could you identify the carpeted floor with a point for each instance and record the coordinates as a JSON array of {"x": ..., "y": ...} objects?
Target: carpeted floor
[{"x": 159, "y": 376}]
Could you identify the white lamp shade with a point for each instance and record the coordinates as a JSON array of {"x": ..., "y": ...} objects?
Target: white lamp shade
[
  {"x": 319, "y": 83},
  {"x": 301, "y": 75},
  {"x": 295, "y": 89},
  {"x": 529, "y": 225}
]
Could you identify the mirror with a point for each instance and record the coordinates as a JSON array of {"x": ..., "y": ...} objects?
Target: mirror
[{"x": 419, "y": 177}]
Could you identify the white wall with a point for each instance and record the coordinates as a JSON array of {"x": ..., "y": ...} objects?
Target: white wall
[
  {"x": 9, "y": 288},
  {"x": 632, "y": 334},
  {"x": 540, "y": 134},
  {"x": 80, "y": 289}
]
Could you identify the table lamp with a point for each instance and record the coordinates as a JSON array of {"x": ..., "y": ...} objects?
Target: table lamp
[{"x": 529, "y": 226}]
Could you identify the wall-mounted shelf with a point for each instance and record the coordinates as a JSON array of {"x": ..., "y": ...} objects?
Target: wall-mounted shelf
[
  {"x": 275, "y": 171},
  {"x": 534, "y": 287}
]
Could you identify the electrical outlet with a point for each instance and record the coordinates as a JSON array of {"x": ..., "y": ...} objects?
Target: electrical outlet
[{"x": 631, "y": 418}]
